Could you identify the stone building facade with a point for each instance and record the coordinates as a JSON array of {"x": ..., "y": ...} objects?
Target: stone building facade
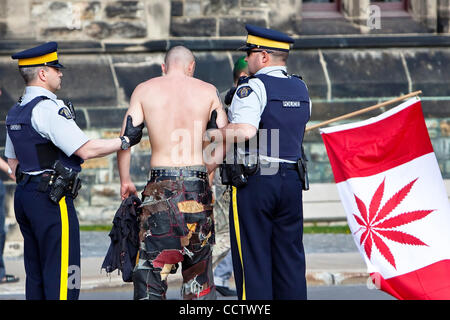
[{"x": 348, "y": 58}]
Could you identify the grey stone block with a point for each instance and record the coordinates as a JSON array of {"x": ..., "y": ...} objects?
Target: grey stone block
[
  {"x": 323, "y": 110},
  {"x": 3, "y": 9},
  {"x": 98, "y": 30},
  {"x": 307, "y": 65},
  {"x": 3, "y": 28},
  {"x": 176, "y": 9},
  {"x": 60, "y": 32},
  {"x": 80, "y": 118},
  {"x": 227, "y": 7},
  {"x": 365, "y": 73},
  {"x": 123, "y": 9},
  {"x": 324, "y": 27},
  {"x": 129, "y": 30},
  {"x": 400, "y": 25},
  {"x": 254, "y": 3},
  {"x": 235, "y": 26},
  {"x": 88, "y": 81},
  {"x": 129, "y": 77},
  {"x": 435, "y": 108},
  {"x": 101, "y": 118},
  {"x": 139, "y": 168},
  {"x": 214, "y": 68},
  {"x": 193, "y": 27},
  {"x": 429, "y": 70},
  {"x": 11, "y": 84}
]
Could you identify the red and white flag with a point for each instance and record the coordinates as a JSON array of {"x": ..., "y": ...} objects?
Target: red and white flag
[{"x": 397, "y": 207}]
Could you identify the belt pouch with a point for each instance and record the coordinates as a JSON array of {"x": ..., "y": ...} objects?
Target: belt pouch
[{"x": 44, "y": 182}]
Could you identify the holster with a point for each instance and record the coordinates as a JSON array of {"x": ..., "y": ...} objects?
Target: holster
[
  {"x": 233, "y": 175},
  {"x": 64, "y": 180},
  {"x": 236, "y": 174},
  {"x": 303, "y": 173}
]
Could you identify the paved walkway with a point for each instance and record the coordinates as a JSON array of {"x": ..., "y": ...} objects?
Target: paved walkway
[{"x": 330, "y": 260}]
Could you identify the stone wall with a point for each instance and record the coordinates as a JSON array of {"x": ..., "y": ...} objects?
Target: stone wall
[
  {"x": 159, "y": 19},
  {"x": 108, "y": 47},
  {"x": 339, "y": 80}
]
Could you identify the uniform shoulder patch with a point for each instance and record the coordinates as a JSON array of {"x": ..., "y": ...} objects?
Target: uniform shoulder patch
[
  {"x": 65, "y": 112},
  {"x": 244, "y": 91}
]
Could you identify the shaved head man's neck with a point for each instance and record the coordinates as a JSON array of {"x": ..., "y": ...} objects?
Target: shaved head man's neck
[{"x": 179, "y": 59}]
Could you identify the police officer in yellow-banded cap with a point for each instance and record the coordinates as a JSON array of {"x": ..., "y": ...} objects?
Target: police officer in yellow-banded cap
[
  {"x": 46, "y": 148},
  {"x": 266, "y": 218}
]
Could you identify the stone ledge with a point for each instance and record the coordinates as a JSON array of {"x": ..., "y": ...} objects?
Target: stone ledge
[{"x": 8, "y": 47}]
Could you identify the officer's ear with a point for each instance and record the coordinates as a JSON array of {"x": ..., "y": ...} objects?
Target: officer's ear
[
  {"x": 265, "y": 57},
  {"x": 41, "y": 74}
]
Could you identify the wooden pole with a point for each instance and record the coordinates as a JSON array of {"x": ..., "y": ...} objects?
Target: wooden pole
[{"x": 352, "y": 114}]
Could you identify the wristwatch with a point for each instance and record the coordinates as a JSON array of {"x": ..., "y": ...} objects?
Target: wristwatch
[{"x": 125, "y": 145}]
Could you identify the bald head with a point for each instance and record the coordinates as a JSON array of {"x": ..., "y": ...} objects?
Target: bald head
[{"x": 179, "y": 58}]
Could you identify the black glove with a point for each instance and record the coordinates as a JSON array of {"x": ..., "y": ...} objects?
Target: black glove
[
  {"x": 133, "y": 133},
  {"x": 212, "y": 124}
]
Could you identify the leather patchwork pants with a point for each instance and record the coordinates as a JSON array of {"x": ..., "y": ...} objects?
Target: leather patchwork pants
[{"x": 176, "y": 226}]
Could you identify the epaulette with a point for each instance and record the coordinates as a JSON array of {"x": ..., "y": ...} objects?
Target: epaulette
[
  {"x": 243, "y": 80},
  {"x": 297, "y": 76}
]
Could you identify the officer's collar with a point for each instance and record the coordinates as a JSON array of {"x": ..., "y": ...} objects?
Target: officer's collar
[
  {"x": 39, "y": 91},
  {"x": 266, "y": 70}
]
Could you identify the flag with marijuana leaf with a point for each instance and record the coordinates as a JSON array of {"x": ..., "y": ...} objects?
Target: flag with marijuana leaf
[{"x": 397, "y": 207}]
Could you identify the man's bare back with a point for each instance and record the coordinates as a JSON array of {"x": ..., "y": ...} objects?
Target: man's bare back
[{"x": 176, "y": 108}]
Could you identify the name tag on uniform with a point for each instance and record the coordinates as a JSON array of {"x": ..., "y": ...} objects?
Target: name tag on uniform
[
  {"x": 15, "y": 127},
  {"x": 291, "y": 104}
]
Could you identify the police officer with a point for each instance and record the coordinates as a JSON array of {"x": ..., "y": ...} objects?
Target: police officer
[
  {"x": 266, "y": 218},
  {"x": 46, "y": 148}
]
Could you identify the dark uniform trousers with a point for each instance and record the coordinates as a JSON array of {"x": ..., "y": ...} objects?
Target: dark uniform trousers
[
  {"x": 51, "y": 243},
  {"x": 266, "y": 223}
]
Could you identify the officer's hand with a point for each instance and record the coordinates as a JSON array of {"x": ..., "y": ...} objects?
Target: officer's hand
[
  {"x": 127, "y": 189},
  {"x": 133, "y": 133}
]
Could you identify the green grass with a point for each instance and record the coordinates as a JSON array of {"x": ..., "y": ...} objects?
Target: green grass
[
  {"x": 96, "y": 227},
  {"x": 307, "y": 229},
  {"x": 326, "y": 229}
]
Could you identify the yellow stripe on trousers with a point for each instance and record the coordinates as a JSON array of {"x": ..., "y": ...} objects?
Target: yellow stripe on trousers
[
  {"x": 238, "y": 236},
  {"x": 64, "y": 248}
]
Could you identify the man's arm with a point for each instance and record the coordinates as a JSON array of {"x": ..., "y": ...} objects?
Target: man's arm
[
  {"x": 124, "y": 156},
  {"x": 214, "y": 158}
]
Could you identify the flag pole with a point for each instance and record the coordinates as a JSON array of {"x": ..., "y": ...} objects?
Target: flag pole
[{"x": 355, "y": 113}]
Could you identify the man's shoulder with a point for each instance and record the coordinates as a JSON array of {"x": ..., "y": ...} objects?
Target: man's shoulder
[
  {"x": 203, "y": 84},
  {"x": 148, "y": 83}
]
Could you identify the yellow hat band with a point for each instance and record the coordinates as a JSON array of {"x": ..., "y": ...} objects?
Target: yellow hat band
[
  {"x": 49, "y": 57},
  {"x": 267, "y": 42}
]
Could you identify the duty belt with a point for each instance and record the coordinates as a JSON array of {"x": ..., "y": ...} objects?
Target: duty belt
[
  {"x": 32, "y": 178},
  {"x": 286, "y": 165},
  {"x": 185, "y": 173},
  {"x": 47, "y": 178}
]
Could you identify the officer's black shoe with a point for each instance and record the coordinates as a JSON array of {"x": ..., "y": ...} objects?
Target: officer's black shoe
[{"x": 226, "y": 292}]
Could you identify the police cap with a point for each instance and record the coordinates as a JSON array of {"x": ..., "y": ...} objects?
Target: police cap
[
  {"x": 42, "y": 55},
  {"x": 264, "y": 38}
]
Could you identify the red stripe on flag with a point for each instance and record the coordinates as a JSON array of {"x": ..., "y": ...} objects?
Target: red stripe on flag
[
  {"x": 429, "y": 283},
  {"x": 379, "y": 146}
]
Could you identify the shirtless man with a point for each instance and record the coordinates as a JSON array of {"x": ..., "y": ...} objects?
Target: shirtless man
[{"x": 176, "y": 224}]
